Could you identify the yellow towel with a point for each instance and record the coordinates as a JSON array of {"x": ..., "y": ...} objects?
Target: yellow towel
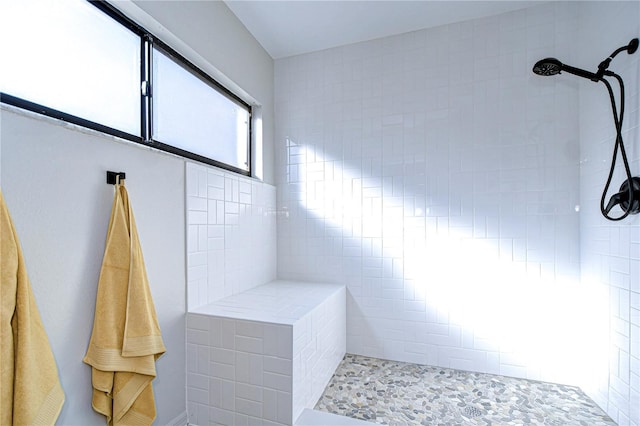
[
  {"x": 126, "y": 339},
  {"x": 30, "y": 389}
]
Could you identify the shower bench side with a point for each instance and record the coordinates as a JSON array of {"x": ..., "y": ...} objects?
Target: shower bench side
[{"x": 264, "y": 355}]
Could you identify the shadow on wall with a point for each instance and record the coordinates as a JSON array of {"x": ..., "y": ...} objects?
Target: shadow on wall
[{"x": 424, "y": 280}]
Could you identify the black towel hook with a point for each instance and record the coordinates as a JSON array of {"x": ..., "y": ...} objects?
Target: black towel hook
[{"x": 114, "y": 177}]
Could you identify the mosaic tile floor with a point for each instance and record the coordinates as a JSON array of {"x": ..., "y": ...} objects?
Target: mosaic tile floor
[{"x": 396, "y": 393}]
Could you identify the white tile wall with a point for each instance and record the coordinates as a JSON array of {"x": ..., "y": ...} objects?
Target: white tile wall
[
  {"x": 610, "y": 255},
  {"x": 455, "y": 193},
  {"x": 264, "y": 372},
  {"x": 231, "y": 221},
  {"x": 438, "y": 177}
]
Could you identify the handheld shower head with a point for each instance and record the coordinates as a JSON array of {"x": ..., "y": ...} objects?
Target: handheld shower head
[
  {"x": 552, "y": 66},
  {"x": 547, "y": 67},
  {"x": 629, "y": 196}
]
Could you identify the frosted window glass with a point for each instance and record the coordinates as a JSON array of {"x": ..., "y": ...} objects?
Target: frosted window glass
[
  {"x": 192, "y": 115},
  {"x": 70, "y": 56}
]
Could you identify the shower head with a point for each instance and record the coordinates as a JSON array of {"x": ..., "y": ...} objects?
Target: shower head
[
  {"x": 629, "y": 196},
  {"x": 552, "y": 66},
  {"x": 547, "y": 67}
]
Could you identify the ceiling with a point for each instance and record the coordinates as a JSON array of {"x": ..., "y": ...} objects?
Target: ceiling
[{"x": 293, "y": 27}]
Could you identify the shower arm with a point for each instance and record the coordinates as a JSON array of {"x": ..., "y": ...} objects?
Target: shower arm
[{"x": 630, "y": 48}]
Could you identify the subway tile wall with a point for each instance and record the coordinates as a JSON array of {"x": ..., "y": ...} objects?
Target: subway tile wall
[
  {"x": 611, "y": 250},
  {"x": 231, "y": 234},
  {"x": 438, "y": 178}
]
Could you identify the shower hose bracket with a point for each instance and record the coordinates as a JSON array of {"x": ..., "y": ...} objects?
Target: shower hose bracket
[{"x": 622, "y": 197}]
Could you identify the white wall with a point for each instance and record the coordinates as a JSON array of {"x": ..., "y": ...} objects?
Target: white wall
[
  {"x": 437, "y": 177},
  {"x": 610, "y": 255},
  {"x": 53, "y": 179},
  {"x": 54, "y": 182},
  {"x": 231, "y": 223},
  {"x": 457, "y": 196}
]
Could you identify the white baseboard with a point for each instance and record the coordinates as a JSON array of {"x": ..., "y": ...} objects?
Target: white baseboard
[{"x": 181, "y": 420}]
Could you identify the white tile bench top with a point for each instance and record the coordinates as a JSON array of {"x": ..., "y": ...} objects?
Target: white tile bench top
[{"x": 278, "y": 302}]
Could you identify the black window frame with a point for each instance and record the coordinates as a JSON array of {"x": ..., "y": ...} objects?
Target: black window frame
[{"x": 148, "y": 42}]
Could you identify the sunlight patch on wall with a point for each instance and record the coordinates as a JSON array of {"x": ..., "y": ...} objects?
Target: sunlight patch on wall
[{"x": 545, "y": 323}]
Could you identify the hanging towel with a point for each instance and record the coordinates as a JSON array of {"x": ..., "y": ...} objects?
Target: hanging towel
[
  {"x": 30, "y": 389},
  {"x": 126, "y": 339}
]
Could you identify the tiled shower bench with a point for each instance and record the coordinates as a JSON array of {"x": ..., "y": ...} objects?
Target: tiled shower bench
[{"x": 264, "y": 355}]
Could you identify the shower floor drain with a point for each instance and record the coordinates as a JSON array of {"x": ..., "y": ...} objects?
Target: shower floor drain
[{"x": 472, "y": 412}]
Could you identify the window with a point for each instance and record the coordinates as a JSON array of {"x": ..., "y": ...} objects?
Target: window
[
  {"x": 69, "y": 56},
  {"x": 189, "y": 113},
  {"x": 86, "y": 63}
]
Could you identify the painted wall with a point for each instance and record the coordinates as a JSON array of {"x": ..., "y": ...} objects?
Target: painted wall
[
  {"x": 610, "y": 250},
  {"x": 53, "y": 179},
  {"x": 437, "y": 177}
]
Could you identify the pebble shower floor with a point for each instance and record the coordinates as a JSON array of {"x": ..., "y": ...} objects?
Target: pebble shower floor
[{"x": 397, "y": 393}]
